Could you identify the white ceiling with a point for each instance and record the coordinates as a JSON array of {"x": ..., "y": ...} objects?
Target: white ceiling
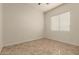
[
  {"x": 44, "y": 7},
  {"x": 49, "y": 6}
]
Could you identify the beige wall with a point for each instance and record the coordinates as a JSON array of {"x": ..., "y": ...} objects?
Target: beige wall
[
  {"x": 0, "y": 27},
  {"x": 71, "y": 37},
  {"x": 21, "y": 23},
  {"x": 24, "y": 22}
]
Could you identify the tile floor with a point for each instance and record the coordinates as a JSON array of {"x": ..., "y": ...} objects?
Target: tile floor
[{"x": 41, "y": 47}]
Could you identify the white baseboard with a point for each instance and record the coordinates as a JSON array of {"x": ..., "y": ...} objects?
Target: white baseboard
[
  {"x": 13, "y": 43},
  {"x": 71, "y": 43},
  {"x": 18, "y": 42},
  {"x": 0, "y": 48}
]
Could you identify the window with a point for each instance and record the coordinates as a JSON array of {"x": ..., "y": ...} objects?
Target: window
[{"x": 61, "y": 22}]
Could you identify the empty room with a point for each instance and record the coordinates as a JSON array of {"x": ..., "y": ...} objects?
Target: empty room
[{"x": 39, "y": 28}]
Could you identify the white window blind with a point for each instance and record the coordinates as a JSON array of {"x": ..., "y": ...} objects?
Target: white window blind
[
  {"x": 54, "y": 23},
  {"x": 61, "y": 22}
]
